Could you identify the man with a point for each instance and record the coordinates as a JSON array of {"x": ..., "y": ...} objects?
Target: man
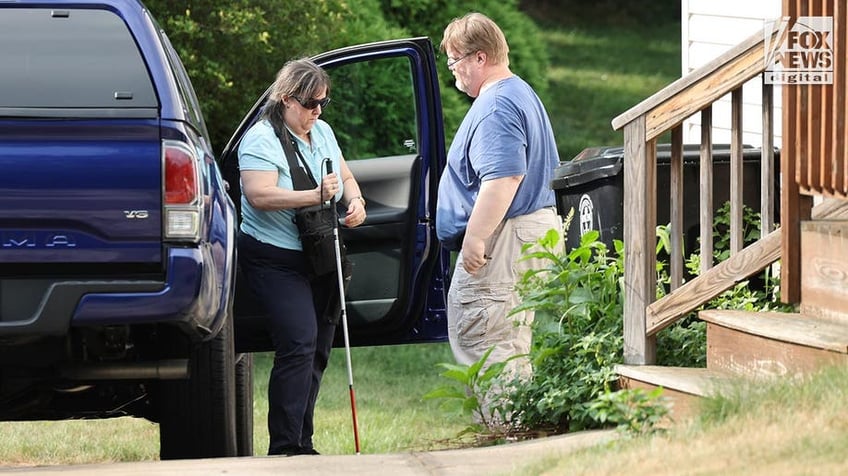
[{"x": 494, "y": 196}]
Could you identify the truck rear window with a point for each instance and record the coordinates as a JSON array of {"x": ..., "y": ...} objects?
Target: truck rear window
[{"x": 73, "y": 58}]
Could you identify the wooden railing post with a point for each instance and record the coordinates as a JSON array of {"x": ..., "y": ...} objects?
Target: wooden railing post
[
  {"x": 767, "y": 199},
  {"x": 640, "y": 218},
  {"x": 737, "y": 225},
  {"x": 706, "y": 188},
  {"x": 675, "y": 174}
]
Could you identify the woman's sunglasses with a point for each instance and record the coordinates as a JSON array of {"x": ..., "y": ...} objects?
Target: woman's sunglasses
[{"x": 313, "y": 103}]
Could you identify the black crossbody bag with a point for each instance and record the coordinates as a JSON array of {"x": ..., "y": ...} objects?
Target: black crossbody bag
[{"x": 316, "y": 223}]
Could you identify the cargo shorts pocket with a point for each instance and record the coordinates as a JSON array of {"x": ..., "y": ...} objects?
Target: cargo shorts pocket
[
  {"x": 531, "y": 232},
  {"x": 482, "y": 318}
]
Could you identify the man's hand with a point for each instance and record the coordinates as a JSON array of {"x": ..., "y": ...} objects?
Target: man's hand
[
  {"x": 473, "y": 254},
  {"x": 491, "y": 206}
]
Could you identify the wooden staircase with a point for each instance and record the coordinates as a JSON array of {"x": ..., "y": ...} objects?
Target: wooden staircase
[
  {"x": 767, "y": 345},
  {"x": 811, "y": 242}
]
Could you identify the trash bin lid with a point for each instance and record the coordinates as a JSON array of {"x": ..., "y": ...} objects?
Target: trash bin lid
[
  {"x": 591, "y": 164},
  {"x": 595, "y": 163}
]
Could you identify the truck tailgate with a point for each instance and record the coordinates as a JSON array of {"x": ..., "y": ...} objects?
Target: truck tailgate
[{"x": 80, "y": 191}]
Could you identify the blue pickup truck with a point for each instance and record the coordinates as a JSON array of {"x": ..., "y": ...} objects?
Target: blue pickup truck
[{"x": 119, "y": 289}]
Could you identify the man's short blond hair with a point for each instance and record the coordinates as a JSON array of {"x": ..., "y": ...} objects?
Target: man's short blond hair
[{"x": 476, "y": 32}]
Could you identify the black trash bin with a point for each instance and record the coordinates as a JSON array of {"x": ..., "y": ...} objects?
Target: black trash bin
[{"x": 592, "y": 184}]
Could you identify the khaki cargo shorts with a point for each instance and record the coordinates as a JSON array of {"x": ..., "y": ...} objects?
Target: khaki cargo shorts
[{"x": 478, "y": 304}]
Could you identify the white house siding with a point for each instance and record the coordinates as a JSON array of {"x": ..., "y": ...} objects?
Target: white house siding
[{"x": 708, "y": 29}]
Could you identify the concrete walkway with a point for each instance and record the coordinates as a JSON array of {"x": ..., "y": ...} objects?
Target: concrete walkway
[{"x": 493, "y": 460}]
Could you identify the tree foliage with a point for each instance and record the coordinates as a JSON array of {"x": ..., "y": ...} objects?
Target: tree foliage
[
  {"x": 232, "y": 49},
  {"x": 528, "y": 54}
]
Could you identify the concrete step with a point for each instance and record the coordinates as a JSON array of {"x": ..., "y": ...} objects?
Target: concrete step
[{"x": 772, "y": 344}]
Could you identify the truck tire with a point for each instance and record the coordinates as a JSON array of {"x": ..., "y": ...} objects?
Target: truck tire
[
  {"x": 197, "y": 416},
  {"x": 244, "y": 404}
]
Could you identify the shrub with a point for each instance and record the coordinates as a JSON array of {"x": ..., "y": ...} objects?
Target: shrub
[{"x": 577, "y": 337}]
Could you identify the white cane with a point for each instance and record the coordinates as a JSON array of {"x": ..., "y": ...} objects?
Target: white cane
[{"x": 344, "y": 315}]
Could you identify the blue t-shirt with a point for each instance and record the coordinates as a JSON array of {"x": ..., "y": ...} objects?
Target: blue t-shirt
[
  {"x": 260, "y": 149},
  {"x": 505, "y": 133}
]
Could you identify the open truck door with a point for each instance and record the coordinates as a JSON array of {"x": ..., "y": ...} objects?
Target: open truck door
[{"x": 386, "y": 114}]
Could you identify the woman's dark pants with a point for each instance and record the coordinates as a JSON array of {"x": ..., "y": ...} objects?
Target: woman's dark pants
[{"x": 302, "y": 340}]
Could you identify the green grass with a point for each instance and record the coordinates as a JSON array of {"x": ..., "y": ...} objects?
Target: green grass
[
  {"x": 788, "y": 427},
  {"x": 78, "y": 441},
  {"x": 600, "y": 72},
  {"x": 388, "y": 383}
]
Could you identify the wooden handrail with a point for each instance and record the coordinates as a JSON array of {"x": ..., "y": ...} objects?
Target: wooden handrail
[
  {"x": 751, "y": 260},
  {"x": 726, "y": 274}
]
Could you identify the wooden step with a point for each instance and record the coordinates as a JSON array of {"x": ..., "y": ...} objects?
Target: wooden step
[
  {"x": 824, "y": 269},
  {"x": 772, "y": 344},
  {"x": 683, "y": 386}
]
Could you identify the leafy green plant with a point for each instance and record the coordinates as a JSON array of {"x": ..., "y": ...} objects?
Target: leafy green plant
[
  {"x": 721, "y": 229},
  {"x": 577, "y": 341},
  {"x": 577, "y": 335},
  {"x": 634, "y": 411},
  {"x": 471, "y": 388},
  {"x": 683, "y": 344}
]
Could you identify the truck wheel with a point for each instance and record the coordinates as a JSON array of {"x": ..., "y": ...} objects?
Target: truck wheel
[
  {"x": 244, "y": 404},
  {"x": 197, "y": 416}
]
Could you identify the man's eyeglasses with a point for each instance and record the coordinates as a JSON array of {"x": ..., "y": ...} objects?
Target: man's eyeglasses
[
  {"x": 452, "y": 62},
  {"x": 313, "y": 103}
]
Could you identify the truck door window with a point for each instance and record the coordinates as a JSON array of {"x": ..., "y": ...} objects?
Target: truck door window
[{"x": 373, "y": 109}]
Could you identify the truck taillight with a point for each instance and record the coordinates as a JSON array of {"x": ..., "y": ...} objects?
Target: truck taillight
[
  {"x": 182, "y": 205},
  {"x": 180, "y": 176}
]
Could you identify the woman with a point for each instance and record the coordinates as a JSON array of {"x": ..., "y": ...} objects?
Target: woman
[{"x": 270, "y": 253}]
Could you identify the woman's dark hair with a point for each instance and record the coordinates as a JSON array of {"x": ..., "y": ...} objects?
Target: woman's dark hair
[{"x": 301, "y": 78}]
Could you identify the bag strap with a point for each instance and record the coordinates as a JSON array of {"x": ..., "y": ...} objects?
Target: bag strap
[{"x": 302, "y": 178}]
